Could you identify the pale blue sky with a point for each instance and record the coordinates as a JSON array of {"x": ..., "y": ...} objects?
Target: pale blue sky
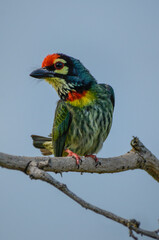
[{"x": 118, "y": 41}]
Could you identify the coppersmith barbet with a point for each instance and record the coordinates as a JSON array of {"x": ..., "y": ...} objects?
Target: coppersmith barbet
[{"x": 84, "y": 113}]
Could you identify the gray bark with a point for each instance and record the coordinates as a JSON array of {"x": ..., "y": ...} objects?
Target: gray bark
[{"x": 139, "y": 157}]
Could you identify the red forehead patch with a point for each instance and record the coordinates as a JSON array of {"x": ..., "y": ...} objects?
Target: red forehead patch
[{"x": 49, "y": 60}]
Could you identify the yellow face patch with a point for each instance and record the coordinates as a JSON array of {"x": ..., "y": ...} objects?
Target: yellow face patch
[
  {"x": 60, "y": 60},
  {"x": 64, "y": 70},
  {"x": 56, "y": 82}
]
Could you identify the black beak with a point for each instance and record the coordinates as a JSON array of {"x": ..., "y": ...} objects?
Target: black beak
[{"x": 42, "y": 73}]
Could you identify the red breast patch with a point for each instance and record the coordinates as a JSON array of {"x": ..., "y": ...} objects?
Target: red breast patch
[{"x": 74, "y": 95}]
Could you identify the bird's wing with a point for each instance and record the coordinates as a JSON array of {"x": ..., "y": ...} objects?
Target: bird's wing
[
  {"x": 111, "y": 93},
  {"x": 61, "y": 125}
]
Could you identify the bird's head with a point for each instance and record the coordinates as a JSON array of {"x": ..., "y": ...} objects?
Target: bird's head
[{"x": 66, "y": 74}]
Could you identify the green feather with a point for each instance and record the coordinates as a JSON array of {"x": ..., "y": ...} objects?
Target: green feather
[{"x": 61, "y": 125}]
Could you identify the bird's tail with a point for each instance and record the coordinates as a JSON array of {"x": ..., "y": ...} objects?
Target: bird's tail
[{"x": 43, "y": 143}]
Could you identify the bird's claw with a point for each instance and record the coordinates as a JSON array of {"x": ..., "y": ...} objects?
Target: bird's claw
[
  {"x": 97, "y": 162},
  {"x": 74, "y": 155},
  {"x": 78, "y": 161}
]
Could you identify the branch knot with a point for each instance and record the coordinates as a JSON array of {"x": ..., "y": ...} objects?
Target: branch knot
[
  {"x": 136, "y": 144},
  {"x": 133, "y": 223}
]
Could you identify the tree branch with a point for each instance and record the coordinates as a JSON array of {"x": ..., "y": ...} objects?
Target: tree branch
[
  {"x": 34, "y": 170},
  {"x": 138, "y": 158}
]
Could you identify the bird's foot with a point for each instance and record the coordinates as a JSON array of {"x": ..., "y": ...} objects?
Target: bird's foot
[
  {"x": 97, "y": 162},
  {"x": 74, "y": 155}
]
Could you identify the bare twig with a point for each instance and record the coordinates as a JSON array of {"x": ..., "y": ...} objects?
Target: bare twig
[{"x": 131, "y": 234}]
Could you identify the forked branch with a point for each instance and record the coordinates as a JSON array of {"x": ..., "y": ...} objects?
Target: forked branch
[{"x": 138, "y": 158}]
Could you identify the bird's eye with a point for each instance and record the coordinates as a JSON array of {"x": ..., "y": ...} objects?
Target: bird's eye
[{"x": 59, "y": 65}]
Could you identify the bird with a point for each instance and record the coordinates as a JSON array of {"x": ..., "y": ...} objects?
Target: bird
[{"x": 84, "y": 112}]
